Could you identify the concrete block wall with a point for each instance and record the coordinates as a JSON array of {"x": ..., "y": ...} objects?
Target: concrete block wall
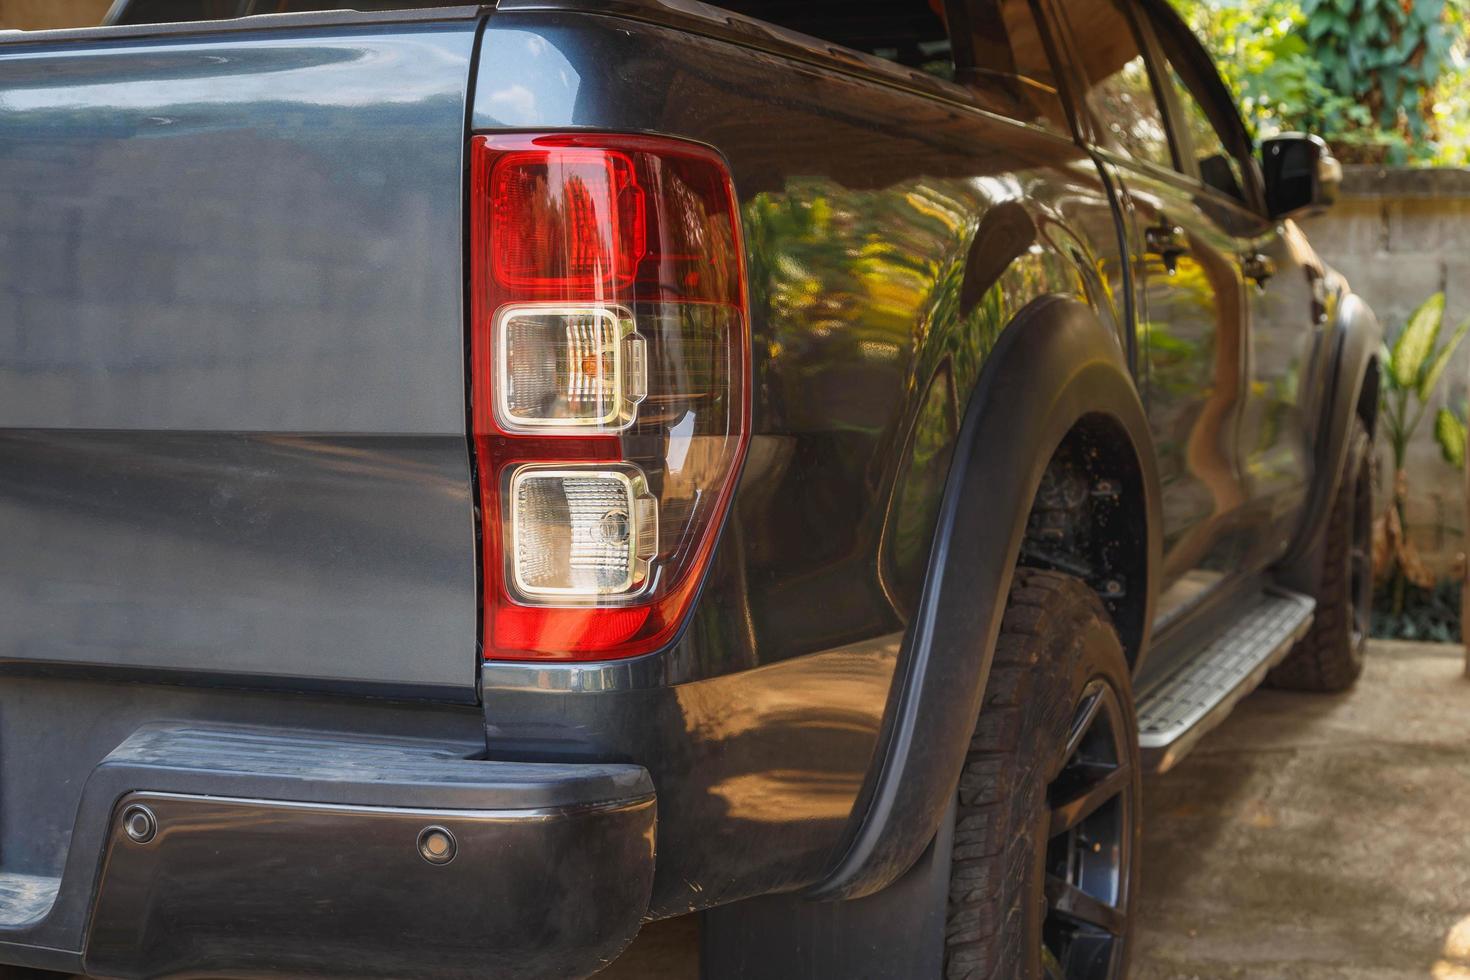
[{"x": 1400, "y": 235}]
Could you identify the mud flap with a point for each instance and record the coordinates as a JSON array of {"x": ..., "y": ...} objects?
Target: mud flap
[{"x": 898, "y": 932}]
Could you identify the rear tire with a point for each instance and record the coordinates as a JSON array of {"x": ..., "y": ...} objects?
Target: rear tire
[
  {"x": 1046, "y": 834},
  {"x": 1330, "y": 656}
]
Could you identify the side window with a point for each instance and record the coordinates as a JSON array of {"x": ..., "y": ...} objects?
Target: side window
[
  {"x": 1218, "y": 166},
  {"x": 1013, "y": 75},
  {"x": 1120, "y": 94}
]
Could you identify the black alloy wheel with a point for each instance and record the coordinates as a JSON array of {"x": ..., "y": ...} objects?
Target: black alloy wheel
[{"x": 1088, "y": 844}]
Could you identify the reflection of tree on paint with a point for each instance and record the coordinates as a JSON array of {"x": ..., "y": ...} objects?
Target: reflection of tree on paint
[
  {"x": 1195, "y": 382},
  {"x": 843, "y": 281},
  {"x": 847, "y": 286}
]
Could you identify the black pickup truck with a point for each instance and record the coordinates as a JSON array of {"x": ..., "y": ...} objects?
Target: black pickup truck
[{"x": 476, "y": 479}]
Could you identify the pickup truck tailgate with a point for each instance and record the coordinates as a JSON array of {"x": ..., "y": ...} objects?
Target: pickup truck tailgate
[{"x": 232, "y": 406}]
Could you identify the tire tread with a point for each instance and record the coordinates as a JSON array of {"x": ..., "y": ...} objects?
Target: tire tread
[
  {"x": 1324, "y": 660},
  {"x": 1026, "y": 710}
]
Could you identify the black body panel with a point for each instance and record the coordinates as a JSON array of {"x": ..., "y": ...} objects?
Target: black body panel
[
  {"x": 278, "y": 852},
  {"x": 528, "y": 894},
  {"x": 922, "y": 226}
]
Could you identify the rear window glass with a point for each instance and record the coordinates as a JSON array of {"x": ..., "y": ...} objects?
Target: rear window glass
[
  {"x": 1012, "y": 73},
  {"x": 910, "y": 32}
]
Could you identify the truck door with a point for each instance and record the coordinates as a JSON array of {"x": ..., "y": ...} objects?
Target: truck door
[
  {"x": 1283, "y": 331},
  {"x": 1189, "y": 303}
]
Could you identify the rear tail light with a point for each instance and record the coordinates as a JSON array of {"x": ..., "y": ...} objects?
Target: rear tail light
[{"x": 609, "y": 385}]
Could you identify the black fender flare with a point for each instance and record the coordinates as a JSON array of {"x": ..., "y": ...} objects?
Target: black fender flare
[
  {"x": 1354, "y": 338},
  {"x": 1053, "y": 365}
]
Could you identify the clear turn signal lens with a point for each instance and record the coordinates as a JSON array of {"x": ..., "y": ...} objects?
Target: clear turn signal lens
[{"x": 567, "y": 368}]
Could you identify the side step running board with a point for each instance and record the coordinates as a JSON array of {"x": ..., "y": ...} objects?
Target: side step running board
[{"x": 1197, "y": 695}]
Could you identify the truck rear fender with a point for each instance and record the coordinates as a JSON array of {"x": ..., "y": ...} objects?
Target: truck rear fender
[
  {"x": 1056, "y": 374},
  {"x": 1352, "y": 381}
]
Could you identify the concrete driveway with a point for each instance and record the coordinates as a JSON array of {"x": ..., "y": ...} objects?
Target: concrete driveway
[{"x": 1320, "y": 838}]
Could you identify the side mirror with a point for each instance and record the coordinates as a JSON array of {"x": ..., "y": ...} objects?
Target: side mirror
[{"x": 1302, "y": 175}]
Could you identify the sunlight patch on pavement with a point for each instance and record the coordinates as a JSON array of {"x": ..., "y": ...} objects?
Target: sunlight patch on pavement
[{"x": 1455, "y": 965}]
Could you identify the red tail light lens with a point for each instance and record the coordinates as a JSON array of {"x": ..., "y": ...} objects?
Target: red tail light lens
[
  {"x": 610, "y": 385},
  {"x": 569, "y": 223}
]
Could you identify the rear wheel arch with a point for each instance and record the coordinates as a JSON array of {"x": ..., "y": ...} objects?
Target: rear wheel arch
[
  {"x": 1089, "y": 519},
  {"x": 1368, "y": 396},
  {"x": 1353, "y": 384},
  {"x": 1056, "y": 380}
]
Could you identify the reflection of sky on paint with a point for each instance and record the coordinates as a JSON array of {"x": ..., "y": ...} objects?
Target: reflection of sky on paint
[
  {"x": 235, "y": 221},
  {"x": 997, "y": 188},
  {"x": 520, "y": 54},
  {"x": 263, "y": 68}
]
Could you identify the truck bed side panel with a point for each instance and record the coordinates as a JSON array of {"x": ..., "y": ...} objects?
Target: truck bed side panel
[{"x": 890, "y": 239}]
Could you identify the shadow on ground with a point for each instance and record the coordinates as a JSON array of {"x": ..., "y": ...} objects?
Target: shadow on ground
[{"x": 1309, "y": 838}]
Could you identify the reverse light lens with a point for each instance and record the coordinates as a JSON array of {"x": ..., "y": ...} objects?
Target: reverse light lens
[
  {"x": 610, "y": 388},
  {"x": 580, "y": 532},
  {"x": 567, "y": 368}
]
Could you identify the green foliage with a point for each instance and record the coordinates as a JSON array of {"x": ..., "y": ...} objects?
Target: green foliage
[
  {"x": 1429, "y": 376},
  {"x": 1416, "y": 340},
  {"x": 1385, "y": 55},
  {"x": 1412, "y": 369},
  {"x": 1449, "y": 432},
  {"x": 1382, "y": 80}
]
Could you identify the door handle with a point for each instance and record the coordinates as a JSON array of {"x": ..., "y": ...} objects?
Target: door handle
[
  {"x": 1257, "y": 267},
  {"x": 1319, "y": 299},
  {"x": 1166, "y": 240}
]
